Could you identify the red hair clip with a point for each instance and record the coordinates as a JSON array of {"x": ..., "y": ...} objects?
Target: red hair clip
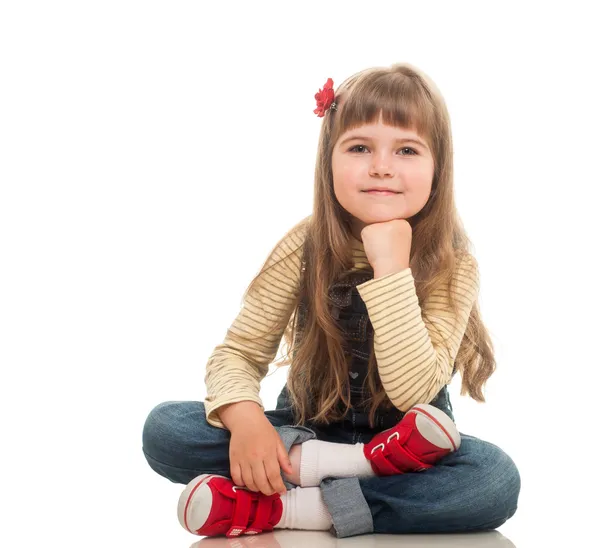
[{"x": 324, "y": 99}]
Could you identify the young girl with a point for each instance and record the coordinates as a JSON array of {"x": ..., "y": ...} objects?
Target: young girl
[{"x": 376, "y": 294}]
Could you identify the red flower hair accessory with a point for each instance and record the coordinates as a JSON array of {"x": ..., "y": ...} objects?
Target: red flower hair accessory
[{"x": 324, "y": 99}]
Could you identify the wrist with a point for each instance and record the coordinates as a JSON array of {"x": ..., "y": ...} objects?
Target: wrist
[
  {"x": 387, "y": 269},
  {"x": 236, "y": 413}
]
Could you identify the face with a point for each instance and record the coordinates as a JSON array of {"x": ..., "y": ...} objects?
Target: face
[{"x": 377, "y": 155}]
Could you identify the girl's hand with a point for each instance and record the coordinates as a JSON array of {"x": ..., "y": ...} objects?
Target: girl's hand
[
  {"x": 387, "y": 246},
  {"x": 255, "y": 454}
]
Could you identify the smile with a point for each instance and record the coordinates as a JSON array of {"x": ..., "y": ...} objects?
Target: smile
[{"x": 382, "y": 192}]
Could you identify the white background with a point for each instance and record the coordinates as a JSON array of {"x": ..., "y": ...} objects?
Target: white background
[{"x": 151, "y": 155}]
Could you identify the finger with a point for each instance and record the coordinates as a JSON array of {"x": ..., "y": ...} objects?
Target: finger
[
  {"x": 284, "y": 458},
  {"x": 274, "y": 476},
  {"x": 260, "y": 478},
  {"x": 236, "y": 474},
  {"x": 248, "y": 476}
]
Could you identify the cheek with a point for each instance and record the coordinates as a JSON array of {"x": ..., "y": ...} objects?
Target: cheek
[
  {"x": 343, "y": 176},
  {"x": 351, "y": 173},
  {"x": 419, "y": 182},
  {"x": 418, "y": 195}
]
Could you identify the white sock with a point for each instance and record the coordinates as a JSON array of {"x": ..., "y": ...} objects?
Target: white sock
[
  {"x": 304, "y": 508},
  {"x": 321, "y": 459}
]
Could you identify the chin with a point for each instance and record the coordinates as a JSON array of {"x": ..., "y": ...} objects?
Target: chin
[{"x": 381, "y": 218}]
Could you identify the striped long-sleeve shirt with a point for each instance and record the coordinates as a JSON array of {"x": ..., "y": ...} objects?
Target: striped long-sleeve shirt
[{"x": 415, "y": 353}]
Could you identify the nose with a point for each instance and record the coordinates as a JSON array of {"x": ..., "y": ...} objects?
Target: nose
[{"x": 380, "y": 166}]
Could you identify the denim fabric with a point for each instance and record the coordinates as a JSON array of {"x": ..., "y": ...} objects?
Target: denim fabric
[{"x": 473, "y": 488}]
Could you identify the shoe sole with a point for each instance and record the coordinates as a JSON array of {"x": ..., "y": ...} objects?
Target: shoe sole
[
  {"x": 436, "y": 426},
  {"x": 196, "y": 493}
]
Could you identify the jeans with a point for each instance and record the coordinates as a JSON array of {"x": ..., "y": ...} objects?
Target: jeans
[{"x": 471, "y": 489}]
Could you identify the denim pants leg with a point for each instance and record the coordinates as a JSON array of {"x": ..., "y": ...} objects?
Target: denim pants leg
[{"x": 474, "y": 488}]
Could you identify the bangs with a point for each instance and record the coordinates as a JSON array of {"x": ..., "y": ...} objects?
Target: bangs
[{"x": 400, "y": 102}]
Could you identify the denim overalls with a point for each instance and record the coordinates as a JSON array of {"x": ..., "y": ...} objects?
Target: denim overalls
[{"x": 351, "y": 314}]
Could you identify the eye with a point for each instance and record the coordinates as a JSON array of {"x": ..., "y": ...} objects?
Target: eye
[{"x": 413, "y": 151}]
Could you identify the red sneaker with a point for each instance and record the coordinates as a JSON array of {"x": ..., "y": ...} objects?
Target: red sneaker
[
  {"x": 213, "y": 505},
  {"x": 423, "y": 436}
]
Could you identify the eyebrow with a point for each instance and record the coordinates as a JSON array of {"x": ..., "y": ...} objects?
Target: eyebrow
[{"x": 403, "y": 140}]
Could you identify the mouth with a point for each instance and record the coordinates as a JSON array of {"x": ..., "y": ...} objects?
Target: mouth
[{"x": 381, "y": 192}]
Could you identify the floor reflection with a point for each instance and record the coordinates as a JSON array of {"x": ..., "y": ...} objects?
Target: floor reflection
[{"x": 287, "y": 538}]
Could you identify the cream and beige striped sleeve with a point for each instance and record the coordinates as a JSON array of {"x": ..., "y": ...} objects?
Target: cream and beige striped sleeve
[
  {"x": 415, "y": 353},
  {"x": 235, "y": 368}
]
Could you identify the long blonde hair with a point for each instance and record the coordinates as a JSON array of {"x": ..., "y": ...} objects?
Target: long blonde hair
[{"x": 407, "y": 98}]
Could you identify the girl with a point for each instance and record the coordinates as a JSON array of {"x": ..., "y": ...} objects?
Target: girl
[{"x": 376, "y": 294}]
